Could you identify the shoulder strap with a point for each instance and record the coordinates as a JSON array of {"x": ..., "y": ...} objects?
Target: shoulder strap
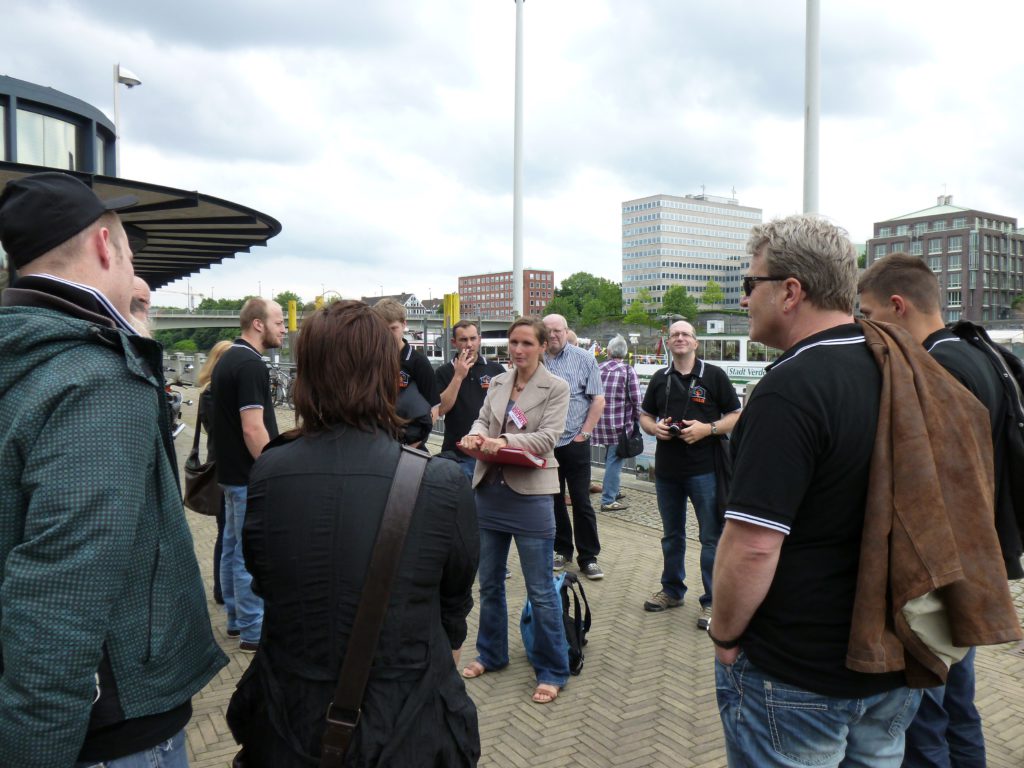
[
  {"x": 344, "y": 712},
  {"x": 199, "y": 426}
]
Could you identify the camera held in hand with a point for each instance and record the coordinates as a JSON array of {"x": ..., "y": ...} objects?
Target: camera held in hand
[{"x": 675, "y": 429}]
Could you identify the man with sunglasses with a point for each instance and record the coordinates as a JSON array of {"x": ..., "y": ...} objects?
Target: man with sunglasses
[
  {"x": 787, "y": 562},
  {"x": 689, "y": 406}
]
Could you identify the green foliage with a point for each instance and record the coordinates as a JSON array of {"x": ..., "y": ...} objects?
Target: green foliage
[
  {"x": 585, "y": 299},
  {"x": 713, "y": 294},
  {"x": 637, "y": 314},
  {"x": 862, "y": 261},
  {"x": 223, "y": 304},
  {"x": 185, "y": 345},
  {"x": 285, "y": 296},
  {"x": 678, "y": 301},
  {"x": 565, "y": 307}
]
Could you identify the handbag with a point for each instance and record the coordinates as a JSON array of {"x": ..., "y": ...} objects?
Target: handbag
[
  {"x": 202, "y": 494},
  {"x": 344, "y": 712},
  {"x": 631, "y": 441}
]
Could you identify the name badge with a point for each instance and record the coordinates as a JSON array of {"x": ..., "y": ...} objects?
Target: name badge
[{"x": 517, "y": 416}]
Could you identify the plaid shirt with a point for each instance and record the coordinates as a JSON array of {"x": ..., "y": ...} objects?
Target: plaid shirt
[{"x": 621, "y": 401}]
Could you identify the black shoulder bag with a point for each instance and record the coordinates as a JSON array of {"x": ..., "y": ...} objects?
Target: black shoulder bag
[
  {"x": 202, "y": 494},
  {"x": 631, "y": 441},
  {"x": 344, "y": 712}
]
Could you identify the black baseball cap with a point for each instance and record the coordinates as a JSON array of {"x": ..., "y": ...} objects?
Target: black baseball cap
[{"x": 41, "y": 211}]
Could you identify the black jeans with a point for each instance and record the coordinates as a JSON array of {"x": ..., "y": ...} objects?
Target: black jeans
[{"x": 574, "y": 475}]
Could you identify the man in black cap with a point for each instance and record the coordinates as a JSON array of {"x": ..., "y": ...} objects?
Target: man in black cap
[{"x": 104, "y": 632}]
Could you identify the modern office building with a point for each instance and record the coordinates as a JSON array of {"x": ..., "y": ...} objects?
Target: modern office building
[
  {"x": 669, "y": 241},
  {"x": 173, "y": 232},
  {"x": 490, "y": 295},
  {"x": 977, "y": 256}
]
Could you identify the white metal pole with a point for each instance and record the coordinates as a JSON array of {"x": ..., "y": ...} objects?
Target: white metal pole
[
  {"x": 812, "y": 99},
  {"x": 517, "y": 173},
  {"x": 117, "y": 123}
]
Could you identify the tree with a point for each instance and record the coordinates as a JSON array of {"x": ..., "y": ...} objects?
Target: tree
[
  {"x": 564, "y": 307},
  {"x": 677, "y": 301},
  {"x": 580, "y": 288},
  {"x": 185, "y": 345},
  {"x": 636, "y": 314},
  {"x": 285, "y": 296},
  {"x": 713, "y": 294},
  {"x": 593, "y": 313}
]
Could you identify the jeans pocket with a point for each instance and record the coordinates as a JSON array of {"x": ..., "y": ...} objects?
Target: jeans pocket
[{"x": 805, "y": 726}]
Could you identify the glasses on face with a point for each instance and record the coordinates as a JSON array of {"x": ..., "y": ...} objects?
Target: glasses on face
[
  {"x": 750, "y": 282},
  {"x": 682, "y": 335}
]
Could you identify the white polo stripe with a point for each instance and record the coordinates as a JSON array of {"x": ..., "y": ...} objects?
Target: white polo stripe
[
  {"x": 745, "y": 518},
  {"x": 824, "y": 343}
]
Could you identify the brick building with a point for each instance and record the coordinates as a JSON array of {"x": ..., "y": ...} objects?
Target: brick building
[{"x": 490, "y": 295}]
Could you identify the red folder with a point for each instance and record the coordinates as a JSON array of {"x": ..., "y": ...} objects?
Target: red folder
[{"x": 515, "y": 456}]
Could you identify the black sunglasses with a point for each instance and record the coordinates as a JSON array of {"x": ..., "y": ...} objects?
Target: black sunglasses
[{"x": 750, "y": 282}]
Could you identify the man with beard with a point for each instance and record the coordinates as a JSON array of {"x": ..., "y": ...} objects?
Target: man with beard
[{"x": 243, "y": 423}]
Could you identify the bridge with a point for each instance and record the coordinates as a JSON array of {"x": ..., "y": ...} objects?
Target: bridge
[{"x": 165, "y": 319}]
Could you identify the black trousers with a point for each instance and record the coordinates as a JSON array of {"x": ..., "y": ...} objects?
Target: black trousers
[{"x": 574, "y": 476}]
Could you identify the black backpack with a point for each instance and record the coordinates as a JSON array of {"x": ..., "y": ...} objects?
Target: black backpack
[
  {"x": 1010, "y": 369},
  {"x": 576, "y": 621}
]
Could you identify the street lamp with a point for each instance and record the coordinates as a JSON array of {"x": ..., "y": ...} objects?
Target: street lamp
[{"x": 127, "y": 78}]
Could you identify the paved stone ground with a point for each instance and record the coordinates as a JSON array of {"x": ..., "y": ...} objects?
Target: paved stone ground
[{"x": 646, "y": 696}]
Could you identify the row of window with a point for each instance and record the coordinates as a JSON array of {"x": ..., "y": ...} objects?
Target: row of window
[
  {"x": 686, "y": 230},
  {"x": 741, "y": 226},
  {"x": 661, "y": 203},
  {"x": 684, "y": 254},
  {"x": 682, "y": 265},
  {"x": 939, "y": 225},
  {"x": 681, "y": 241}
]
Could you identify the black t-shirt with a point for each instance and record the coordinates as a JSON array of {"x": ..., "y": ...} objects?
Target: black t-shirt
[
  {"x": 469, "y": 399},
  {"x": 704, "y": 394},
  {"x": 802, "y": 453},
  {"x": 240, "y": 381}
]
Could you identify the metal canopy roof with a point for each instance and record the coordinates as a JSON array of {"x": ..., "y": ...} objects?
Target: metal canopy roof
[{"x": 174, "y": 233}]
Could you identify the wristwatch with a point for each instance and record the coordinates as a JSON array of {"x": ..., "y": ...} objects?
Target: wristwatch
[
  {"x": 586, "y": 435},
  {"x": 714, "y": 427},
  {"x": 725, "y": 645}
]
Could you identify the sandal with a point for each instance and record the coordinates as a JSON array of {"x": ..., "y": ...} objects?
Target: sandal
[
  {"x": 473, "y": 669},
  {"x": 545, "y": 694}
]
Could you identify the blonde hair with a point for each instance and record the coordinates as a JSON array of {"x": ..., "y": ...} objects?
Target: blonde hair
[{"x": 211, "y": 362}]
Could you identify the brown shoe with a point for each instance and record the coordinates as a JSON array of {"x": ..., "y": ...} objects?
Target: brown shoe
[{"x": 595, "y": 488}]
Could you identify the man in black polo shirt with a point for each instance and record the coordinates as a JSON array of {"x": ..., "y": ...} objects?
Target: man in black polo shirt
[
  {"x": 243, "y": 423},
  {"x": 787, "y": 562},
  {"x": 463, "y": 383},
  {"x": 687, "y": 406},
  {"x": 902, "y": 290}
]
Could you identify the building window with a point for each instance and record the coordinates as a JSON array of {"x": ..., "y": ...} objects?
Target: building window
[
  {"x": 921, "y": 226},
  {"x": 879, "y": 251},
  {"x": 954, "y": 280},
  {"x": 915, "y": 248},
  {"x": 960, "y": 222},
  {"x": 883, "y": 231},
  {"x": 955, "y": 243},
  {"x": 902, "y": 229},
  {"x": 935, "y": 263},
  {"x": 953, "y": 298},
  {"x": 935, "y": 245},
  {"x": 3, "y": 132},
  {"x": 46, "y": 141},
  {"x": 938, "y": 226},
  {"x": 954, "y": 262}
]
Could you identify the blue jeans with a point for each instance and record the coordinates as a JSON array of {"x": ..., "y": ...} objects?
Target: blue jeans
[
  {"x": 947, "y": 729},
  {"x": 771, "y": 723},
  {"x": 168, "y": 754},
  {"x": 612, "y": 476},
  {"x": 536, "y": 556},
  {"x": 245, "y": 609},
  {"x": 672, "y": 494}
]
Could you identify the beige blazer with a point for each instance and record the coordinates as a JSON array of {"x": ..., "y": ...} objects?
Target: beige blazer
[{"x": 545, "y": 401}]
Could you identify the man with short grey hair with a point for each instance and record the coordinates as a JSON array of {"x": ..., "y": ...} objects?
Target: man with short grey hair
[
  {"x": 586, "y": 403},
  {"x": 621, "y": 410},
  {"x": 786, "y": 570}
]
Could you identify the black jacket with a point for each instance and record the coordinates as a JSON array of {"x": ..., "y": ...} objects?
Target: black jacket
[{"x": 314, "y": 507}]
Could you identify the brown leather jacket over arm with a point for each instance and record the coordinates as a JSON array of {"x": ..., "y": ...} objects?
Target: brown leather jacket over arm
[{"x": 929, "y": 521}]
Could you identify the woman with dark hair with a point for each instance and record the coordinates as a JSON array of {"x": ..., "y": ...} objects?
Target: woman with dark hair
[
  {"x": 316, "y": 498},
  {"x": 524, "y": 408}
]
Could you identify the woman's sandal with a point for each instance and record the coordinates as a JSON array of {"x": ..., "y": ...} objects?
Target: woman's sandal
[
  {"x": 545, "y": 694},
  {"x": 473, "y": 669}
]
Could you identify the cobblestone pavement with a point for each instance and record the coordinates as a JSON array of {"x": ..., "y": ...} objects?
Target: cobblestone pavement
[{"x": 646, "y": 696}]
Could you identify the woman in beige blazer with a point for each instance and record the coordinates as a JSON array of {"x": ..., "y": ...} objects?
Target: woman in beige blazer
[{"x": 524, "y": 408}]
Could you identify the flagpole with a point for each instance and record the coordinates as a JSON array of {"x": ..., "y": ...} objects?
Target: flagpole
[
  {"x": 517, "y": 172},
  {"x": 812, "y": 100}
]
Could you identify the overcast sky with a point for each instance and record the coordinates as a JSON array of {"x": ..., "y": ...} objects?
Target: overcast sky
[{"x": 380, "y": 133}]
